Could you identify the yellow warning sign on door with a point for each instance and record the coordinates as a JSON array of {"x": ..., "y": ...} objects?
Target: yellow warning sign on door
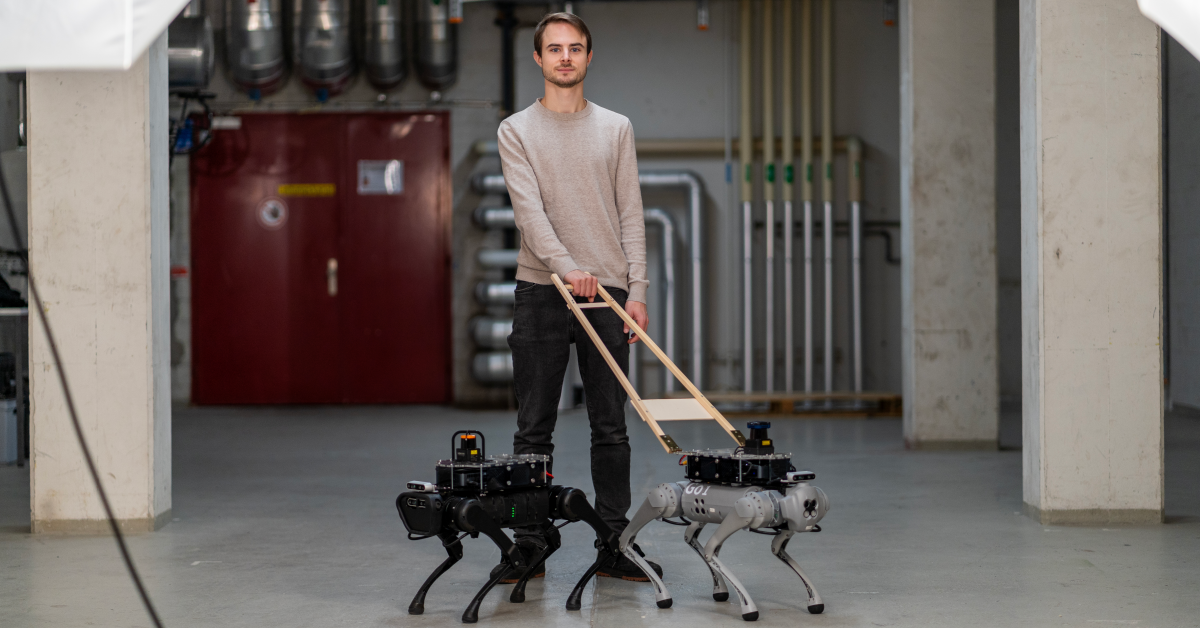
[{"x": 307, "y": 189}]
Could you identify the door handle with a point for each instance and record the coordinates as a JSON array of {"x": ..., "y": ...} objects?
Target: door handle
[{"x": 331, "y": 273}]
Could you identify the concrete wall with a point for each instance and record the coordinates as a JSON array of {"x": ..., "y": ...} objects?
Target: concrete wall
[{"x": 1182, "y": 93}]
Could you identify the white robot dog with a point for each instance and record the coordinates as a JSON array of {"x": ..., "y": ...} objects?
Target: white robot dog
[{"x": 749, "y": 487}]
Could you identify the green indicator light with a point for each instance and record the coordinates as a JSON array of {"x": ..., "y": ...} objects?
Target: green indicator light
[
  {"x": 789, "y": 174},
  {"x": 770, "y": 173}
]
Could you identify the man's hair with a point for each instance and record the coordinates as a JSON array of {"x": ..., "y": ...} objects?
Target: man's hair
[{"x": 565, "y": 18}]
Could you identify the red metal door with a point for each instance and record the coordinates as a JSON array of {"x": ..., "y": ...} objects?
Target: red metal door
[
  {"x": 311, "y": 283},
  {"x": 265, "y": 216},
  {"x": 395, "y": 309}
]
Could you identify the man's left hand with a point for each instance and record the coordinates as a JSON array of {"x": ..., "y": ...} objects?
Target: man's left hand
[{"x": 637, "y": 311}]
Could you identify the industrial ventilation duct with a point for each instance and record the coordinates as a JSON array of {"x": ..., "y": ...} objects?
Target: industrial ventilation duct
[
  {"x": 190, "y": 49},
  {"x": 254, "y": 45},
  {"x": 324, "y": 52},
  {"x": 437, "y": 44},
  {"x": 384, "y": 55}
]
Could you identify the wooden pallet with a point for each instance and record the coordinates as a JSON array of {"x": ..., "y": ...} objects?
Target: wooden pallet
[{"x": 807, "y": 405}]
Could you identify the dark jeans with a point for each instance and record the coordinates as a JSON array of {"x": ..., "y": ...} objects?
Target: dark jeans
[{"x": 543, "y": 330}]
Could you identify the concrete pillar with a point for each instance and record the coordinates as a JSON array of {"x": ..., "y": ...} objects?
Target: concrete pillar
[
  {"x": 98, "y": 228},
  {"x": 1091, "y": 281},
  {"x": 948, "y": 223}
]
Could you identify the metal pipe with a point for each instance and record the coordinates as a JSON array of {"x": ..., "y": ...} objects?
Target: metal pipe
[
  {"x": 855, "y": 194},
  {"x": 827, "y": 188},
  {"x": 490, "y": 332},
  {"x": 492, "y": 367},
  {"x": 806, "y": 181},
  {"x": 495, "y": 217},
  {"x": 746, "y": 158},
  {"x": 494, "y": 184},
  {"x": 496, "y": 292},
  {"x": 702, "y": 15},
  {"x": 384, "y": 61},
  {"x": 497, "y": 258},
  {"x": 768, "y": 133},
  {"x": 789, "y": 184},
  {"x": 663, "y": 219}
]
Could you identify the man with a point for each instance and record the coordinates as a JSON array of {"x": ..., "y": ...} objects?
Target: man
[{"x": 572, "y": 174}]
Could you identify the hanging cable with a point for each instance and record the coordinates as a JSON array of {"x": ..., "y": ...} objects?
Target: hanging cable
[{"x": 36, "y": 302}]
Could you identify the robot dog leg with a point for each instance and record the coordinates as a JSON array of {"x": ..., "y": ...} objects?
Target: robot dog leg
[
  {"x": 732, "y": 523},
  {"x": 574, "y": 507},
  {"x": 455, "y": 550},
  {"x": 663, "y": 501},
  {"x": 690, "y": 536},
  {"x": 778, "y": 547}
]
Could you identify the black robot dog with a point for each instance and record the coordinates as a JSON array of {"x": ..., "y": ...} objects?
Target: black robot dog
[{"x": 477, "y": 494}]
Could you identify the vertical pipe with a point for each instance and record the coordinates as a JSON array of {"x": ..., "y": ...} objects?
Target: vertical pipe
[
  {"x": 768, "y": 134},
  {"x": 806, "y": 181},
  {"x": 663, "y": 219},
  {"x": 827, "y": 187},
  {"x": 746, "y": 156},
  {"x": 854, "y": 148},
  {"x": 789, "y": 181}
]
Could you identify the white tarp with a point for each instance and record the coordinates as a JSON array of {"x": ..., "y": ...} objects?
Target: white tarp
[
  {"x": 1180, "y": 18},
  {"x": 80, "y": 34}
]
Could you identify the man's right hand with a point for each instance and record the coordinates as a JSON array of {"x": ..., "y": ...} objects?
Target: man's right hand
[{"x": 582, "y": 284}]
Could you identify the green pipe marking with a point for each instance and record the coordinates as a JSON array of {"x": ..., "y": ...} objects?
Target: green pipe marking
[
  {"x": 770, "y": 173},
  {"x": 789, "y": 174}
]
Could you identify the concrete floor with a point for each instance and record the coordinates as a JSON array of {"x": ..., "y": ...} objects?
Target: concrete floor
[{"x": 285, "y": 517}]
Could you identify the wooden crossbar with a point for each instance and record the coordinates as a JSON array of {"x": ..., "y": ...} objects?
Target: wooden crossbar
[{"x": 651, "y": 410}]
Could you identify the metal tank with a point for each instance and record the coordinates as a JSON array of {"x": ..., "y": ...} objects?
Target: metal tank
[
  {"x": 436, "y": 44},
  {"x": 254, "y": 45},
  {"x": 383, "y": 57},
  {"x": 323, "y": 48},
  {"x": 190, "y": 49}
]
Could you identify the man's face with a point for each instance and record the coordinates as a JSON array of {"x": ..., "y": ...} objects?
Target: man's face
[{"x": 564, "y": 57}]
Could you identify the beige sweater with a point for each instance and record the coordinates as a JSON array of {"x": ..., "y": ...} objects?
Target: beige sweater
[{"x": 573, "y": 179}]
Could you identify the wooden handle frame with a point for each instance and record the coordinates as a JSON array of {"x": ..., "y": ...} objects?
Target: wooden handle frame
[{"x": 668, "y": 443}]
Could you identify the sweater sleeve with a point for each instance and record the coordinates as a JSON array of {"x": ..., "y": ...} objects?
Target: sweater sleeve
[
  {"x": 631, "y": 215},
  {"x": 536, "y": 231}
]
